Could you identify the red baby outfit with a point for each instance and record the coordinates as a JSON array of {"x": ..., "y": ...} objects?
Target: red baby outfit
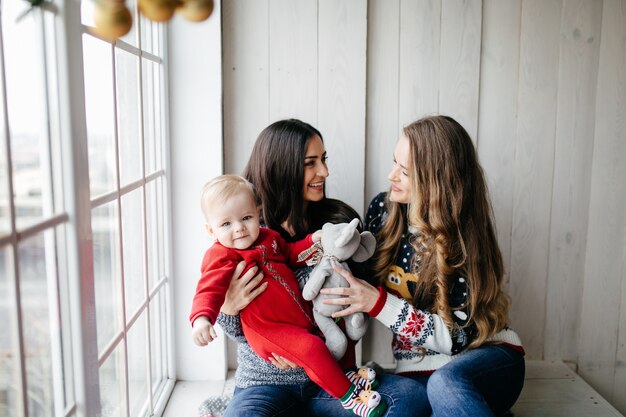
[{"x": 279, "y": 320}]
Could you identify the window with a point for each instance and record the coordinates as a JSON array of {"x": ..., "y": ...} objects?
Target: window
[{"x": 84, "y": 289}]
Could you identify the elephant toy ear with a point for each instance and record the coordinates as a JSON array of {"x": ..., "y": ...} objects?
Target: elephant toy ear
[
  {"x": 366, "y": 247},
  {"x": 346, "y": 234}
]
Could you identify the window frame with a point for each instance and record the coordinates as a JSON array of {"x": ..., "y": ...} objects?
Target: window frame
[{"x": 78, "y": 203}]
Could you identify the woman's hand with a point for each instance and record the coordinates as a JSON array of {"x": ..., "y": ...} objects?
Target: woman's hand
[
  {"x": 242, "y": 289},
  {"x": 359, "y": 296},
  {"x": 282, "y": 363}
]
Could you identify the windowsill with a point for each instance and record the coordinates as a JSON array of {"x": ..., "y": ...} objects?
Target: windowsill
[
  {"x": 187, "y": 396},
  {"x": 551, "y": 388}
]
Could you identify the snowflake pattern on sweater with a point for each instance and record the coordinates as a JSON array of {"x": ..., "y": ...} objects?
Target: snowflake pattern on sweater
[{"x": 422, "y": 342}]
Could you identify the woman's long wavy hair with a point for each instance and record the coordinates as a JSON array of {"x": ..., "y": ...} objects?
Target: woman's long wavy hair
[
  {"x": 276, "y": 168},
  {"x": 451, "y": 210}
]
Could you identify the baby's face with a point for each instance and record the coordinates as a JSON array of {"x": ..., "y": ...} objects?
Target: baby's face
[{"x": 235, "y": 222}]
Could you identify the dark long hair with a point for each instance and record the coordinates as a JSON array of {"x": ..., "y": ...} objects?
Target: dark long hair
[{"x": 276, "y": 168}]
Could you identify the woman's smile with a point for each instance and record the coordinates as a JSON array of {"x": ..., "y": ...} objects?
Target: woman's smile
[{"x": 315, "y": 170}]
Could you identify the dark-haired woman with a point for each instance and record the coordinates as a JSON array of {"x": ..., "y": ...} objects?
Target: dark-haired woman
[{"x": 288, "y": 168}]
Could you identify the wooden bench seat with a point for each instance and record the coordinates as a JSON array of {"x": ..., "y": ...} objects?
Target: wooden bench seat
[{"x": 551, "y": 389}]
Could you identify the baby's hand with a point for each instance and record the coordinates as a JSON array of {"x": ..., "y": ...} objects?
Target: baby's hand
[
  {"x": 317, "y": 236},
  {"x": 203, "y": 332}
]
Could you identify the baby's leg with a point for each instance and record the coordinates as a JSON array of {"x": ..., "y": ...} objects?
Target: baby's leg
[
  {"x": 309, "y": 351},
  {"x": 304, "y": 349}
]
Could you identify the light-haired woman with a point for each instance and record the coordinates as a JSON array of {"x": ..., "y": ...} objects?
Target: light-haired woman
[{"x": 439, "y": 274}]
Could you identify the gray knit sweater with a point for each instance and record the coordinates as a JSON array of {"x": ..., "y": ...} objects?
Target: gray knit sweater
[{"x": 252, "y": 369}]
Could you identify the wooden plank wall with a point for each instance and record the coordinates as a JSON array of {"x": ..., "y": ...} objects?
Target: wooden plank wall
[
  {"x": 541, "y": 87},
  {"x": 278, "y": 64},
  {"x": 603, "y": 328}
]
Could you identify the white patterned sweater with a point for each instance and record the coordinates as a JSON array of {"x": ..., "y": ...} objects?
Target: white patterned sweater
[{"x": 414, "y": 328}]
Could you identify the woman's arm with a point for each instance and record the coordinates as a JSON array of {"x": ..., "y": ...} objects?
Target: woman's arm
[
  {"x": 413, "y": 327},
  {"x": 241, "y": 291}
]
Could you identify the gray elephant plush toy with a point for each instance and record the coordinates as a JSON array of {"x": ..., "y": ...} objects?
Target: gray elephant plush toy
[{"x": 340, "y": 242}]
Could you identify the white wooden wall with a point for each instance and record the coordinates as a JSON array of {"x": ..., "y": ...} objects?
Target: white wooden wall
[{"x": 541, "y": 87}]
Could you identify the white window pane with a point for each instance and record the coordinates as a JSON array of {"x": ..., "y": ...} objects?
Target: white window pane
[
  {"x": 53, "y": 154},
  {"x": 157, "y": 39},
  {"x": 165, "y": 244},
  {"x": 151, "y": 36},
  {"x": 36, "y": 326},
  {"x": 116, "y": 152},
  {"x": 133, "y": 251},
  {"x": 158, "y": 341},
  {"x": 149, "y": 116},
  {"x": 87, "y": 8},
  {"x": 106, "y": 264},
  {"x": 164, "y": 249},
  {"x": 154, "y": 221},
  {"x": 5, "y": 219},
  {"x": 147, "y": 40},
  {"x": 132, "y": 37},
  {"x": 26, "y": 107},
  {"x": 64, "y": 358},
  {"x": 8, "y": 345},
  {"x": 112, "y": 385},
  {"x": 137, "y": 366},
  {"x": 100, "y": 114},
  {"x": 46, "y": 323},
  {"x": 159, "y": 111},
  {"x": 128, "y": 116}
]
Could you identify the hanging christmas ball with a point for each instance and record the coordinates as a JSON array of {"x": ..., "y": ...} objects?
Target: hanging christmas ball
[
  {"x": 196, "y": 10},
  {"x": 112, "y": 19},
  {"x": 158, "y": 10}
]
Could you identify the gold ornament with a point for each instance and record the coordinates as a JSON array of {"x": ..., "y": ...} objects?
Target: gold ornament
[
  {"x": 112, "y": 19},
  {"x": 158, "y": 10},
  {"x": 196, "y": 10}
]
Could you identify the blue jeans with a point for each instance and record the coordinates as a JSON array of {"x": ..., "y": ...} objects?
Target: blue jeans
[
  {"x": 269, "y": 400},
  {"x": 480, "y": 382},
  {"x": 404, "y": 397}
]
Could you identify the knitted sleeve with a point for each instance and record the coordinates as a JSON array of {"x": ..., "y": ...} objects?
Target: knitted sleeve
[
  {"x": 231, "y": 326},
  {"x": 414, "y": 328}
]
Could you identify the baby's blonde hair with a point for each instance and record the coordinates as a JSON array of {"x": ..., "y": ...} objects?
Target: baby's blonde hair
[{"x": 220, "y": 189}]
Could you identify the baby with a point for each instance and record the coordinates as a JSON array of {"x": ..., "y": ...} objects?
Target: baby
[{"x": 279, "y": 320}]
